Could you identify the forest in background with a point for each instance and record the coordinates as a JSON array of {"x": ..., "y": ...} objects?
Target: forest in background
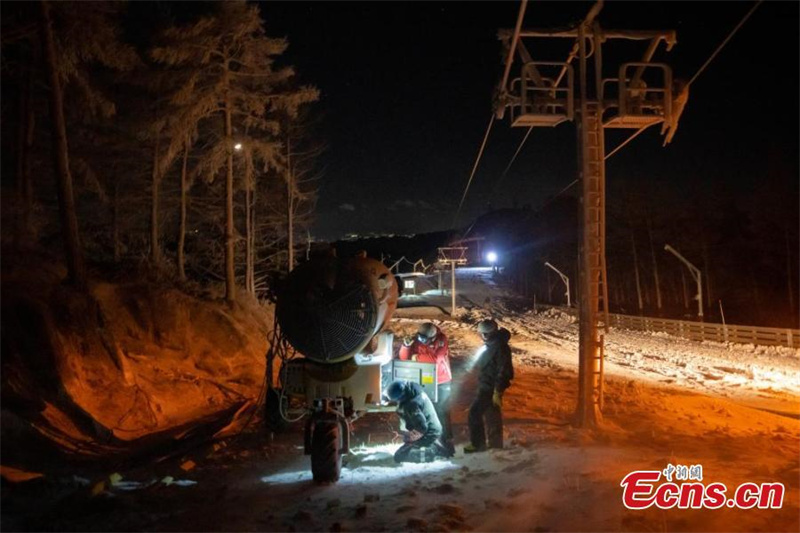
[{"x": 179, "y": 140}]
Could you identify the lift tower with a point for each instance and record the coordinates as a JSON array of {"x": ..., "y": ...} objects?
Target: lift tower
[{"x": 544, "y": 94}]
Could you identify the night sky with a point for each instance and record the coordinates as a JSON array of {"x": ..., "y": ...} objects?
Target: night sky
[{"x": 406, "y": 96}]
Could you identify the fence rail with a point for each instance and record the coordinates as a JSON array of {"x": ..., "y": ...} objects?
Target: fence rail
[
  {"x": 707, "y": 331},
  {"x": 703, "y": 331}
]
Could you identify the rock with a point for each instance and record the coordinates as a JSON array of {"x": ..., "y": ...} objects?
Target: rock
[
  {"x": 336, "y": 527},
  {"x": 361, "y": 511},
  {"x": 405, "y": 508},
  {"x": 371, "y": 498}
]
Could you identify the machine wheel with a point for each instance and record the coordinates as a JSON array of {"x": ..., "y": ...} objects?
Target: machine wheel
[
  {"x": 272, "y": 410},
  {"x": 326, "y": 451}
]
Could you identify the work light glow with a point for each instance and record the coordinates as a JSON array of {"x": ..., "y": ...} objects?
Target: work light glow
[
  {"x": 237, "y": 146},
  {"x": 491, "y": 257}
]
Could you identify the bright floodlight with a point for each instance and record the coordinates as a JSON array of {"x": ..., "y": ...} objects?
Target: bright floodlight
[
  {"x": 491, "y": 257},
  {"x": 237, "y": 146}
]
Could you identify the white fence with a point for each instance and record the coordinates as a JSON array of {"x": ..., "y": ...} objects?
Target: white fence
[{"x": 705, "y": 331}]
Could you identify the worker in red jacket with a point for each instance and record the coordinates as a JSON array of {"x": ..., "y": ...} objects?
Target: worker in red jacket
[{"x": 430, "y": 346}]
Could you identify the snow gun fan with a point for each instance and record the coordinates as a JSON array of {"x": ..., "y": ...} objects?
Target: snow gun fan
[
  {"x": 334, "y": 312},
  {"x": 325, "y": 317}
]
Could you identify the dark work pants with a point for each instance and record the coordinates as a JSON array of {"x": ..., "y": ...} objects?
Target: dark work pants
[
  {"x": 482, "y": 407},
  {"x": 442, "y": 407},
  {"x": 412, "y": 452}
]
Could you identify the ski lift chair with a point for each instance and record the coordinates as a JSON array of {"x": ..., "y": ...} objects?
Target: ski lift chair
[
  {"x": 537, "y": 100},
  {"x": 639, "y": 104}
]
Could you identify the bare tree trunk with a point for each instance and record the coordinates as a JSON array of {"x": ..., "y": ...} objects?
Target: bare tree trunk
[
  {"x": 182, "y": 228},
  {"x": 253, "y": 239},
  {"x": 248, "y": 276},
  {"x": 155, "y": 248},
  {"x": 27, "y": 122},
  {"x": 636, "y": 272},
  {"x": 290, "y": 206},
  {"x": 789, "y": 287},
  {"x": 116, "y": 221},
  {"x": 27, "y": 188},
  {"x": 655, "y": 266},
  {"x": 230, "y": 272},
  {"x": 66, "y": 200}
]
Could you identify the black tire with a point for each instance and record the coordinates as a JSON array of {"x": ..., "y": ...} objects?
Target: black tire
[
  {"x": 272, "y": 413},
  {"x": 326, "y": 456}
]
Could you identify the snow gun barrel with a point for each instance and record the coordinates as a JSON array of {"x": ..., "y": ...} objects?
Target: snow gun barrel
[{"x": 330, "y": 308}]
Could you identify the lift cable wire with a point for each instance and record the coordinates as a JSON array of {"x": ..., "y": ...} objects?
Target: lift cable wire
[
  {"x": 722, "y": 45},
  {"x": 506, "y": 72},
  {"x": 629, "y": 139},
  {"x": 474, "y": 168},
  {"x": 696, "y": 75},
  {"x": 508, "y": 167},
  {"x": 593, "y": 12},
  {"x": 626, "y": 141}
]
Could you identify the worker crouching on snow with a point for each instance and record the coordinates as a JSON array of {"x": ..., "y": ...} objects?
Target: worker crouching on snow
[
  {"x": 431, "y": 346},
  {"x": 419, "y": 425},
  {"x": 495, "y": 375}
]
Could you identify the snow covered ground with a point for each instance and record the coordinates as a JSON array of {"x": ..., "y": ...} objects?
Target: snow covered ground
[
  {"x": 667, "y": 401},
  {"x": 757, "y": 373}
]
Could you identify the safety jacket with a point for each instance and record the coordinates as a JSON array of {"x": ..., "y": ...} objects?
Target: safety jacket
[{"x": 437, "y": 352}]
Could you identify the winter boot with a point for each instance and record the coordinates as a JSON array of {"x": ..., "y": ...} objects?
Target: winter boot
[{"x": 469, "y": 448}]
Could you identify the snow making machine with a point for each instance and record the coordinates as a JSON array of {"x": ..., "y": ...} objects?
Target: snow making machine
[{"x": 335, "y": 314}]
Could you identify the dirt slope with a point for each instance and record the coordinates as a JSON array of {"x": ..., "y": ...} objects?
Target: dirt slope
[{"x": 106, "y": 371}]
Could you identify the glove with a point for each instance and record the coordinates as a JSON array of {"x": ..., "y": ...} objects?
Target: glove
[
  {"x": 408, "y": 340},
  {"x": 497, "y": 398},
  {"x": 414, "y": 357}
]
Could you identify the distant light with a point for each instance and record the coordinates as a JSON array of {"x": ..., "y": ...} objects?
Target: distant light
[
  {"x": 237, "y": 146},
  {"x": 491, "y": 257}
]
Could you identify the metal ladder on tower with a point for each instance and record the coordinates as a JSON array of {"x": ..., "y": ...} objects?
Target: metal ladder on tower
[{"x": 595, "y": 174}]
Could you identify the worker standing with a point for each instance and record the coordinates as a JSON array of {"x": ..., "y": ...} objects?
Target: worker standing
[
  {"x": 495, "y": 375},
  {"x": 431, "y": 346},
  {"x": 419, "y": 425}
]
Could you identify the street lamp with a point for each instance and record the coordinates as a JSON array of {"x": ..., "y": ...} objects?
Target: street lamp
[
  {"x": 696, "y": 274},
  {"x": 564, "y": 278}
]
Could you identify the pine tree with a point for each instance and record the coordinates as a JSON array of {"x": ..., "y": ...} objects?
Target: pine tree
[
  {"x": 72, "y": 40},
  {"x": 229, "y": 84}
]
